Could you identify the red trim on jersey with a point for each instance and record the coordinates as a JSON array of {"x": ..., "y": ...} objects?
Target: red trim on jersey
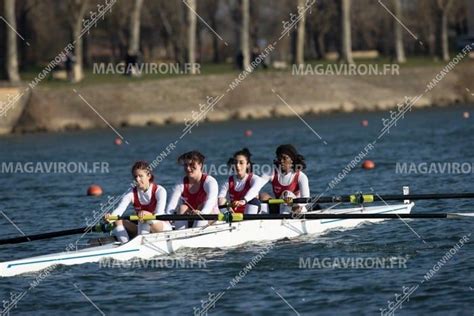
[
  {"x": 239, "y": 195},
  {"x": 278, "y": 188},
  {"x": 194, "y": 200},
  {"x": 150, "y": 207}
]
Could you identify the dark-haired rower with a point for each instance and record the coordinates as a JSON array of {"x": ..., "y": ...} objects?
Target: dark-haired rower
[
  {"x": 287, "y": 179},
  {"x": 243, "y": 187},
  {"x": 196, "y": 193}
]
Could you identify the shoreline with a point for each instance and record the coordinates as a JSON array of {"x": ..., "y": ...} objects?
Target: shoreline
[
  {"x": 173, "y": 125},
  {"x": 266, "y": 95}
]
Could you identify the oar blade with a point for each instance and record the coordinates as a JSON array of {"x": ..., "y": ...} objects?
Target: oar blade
[{"x": 460, "y": 215}]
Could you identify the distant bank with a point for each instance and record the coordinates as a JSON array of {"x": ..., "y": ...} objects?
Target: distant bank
[{"x": 255, "y": 96}]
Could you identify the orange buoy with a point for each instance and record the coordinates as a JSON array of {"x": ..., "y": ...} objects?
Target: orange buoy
[
  {"x": 118, "y": 141},
  {"x": 466, "y": 115},
  {"x": 94, "y": 190},
  {"x": 364, "y": 123},
  {"x": 248, "y": 133},
  {"x": 368, "y": 164}
]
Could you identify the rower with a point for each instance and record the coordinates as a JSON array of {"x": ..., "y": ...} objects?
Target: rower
[
  {"x": 196, "y": 194},
  {"x": 288, "y": 180},
  {"x": 148, "y": 198},
  {"x": 241, "y": 188}
]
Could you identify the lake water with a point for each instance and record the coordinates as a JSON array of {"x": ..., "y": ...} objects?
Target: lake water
[{"x": 278, "y": 284}]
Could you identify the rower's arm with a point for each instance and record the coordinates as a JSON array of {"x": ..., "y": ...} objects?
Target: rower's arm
[
  {"x": 255, "y": 187},
  {"x": 211, "y": 188},
  {"x": 224, "y": 189},
  {"x": 161, "y": 198},
  {"x": 173, "y": 203},
  {"x": 124, "y": 203},
  {"x": 263, "y": 180},
  {"x": 303, "y": 183}
]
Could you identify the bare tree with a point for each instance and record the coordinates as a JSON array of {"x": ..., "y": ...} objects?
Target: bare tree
[
  {"x": 12, "y": 52},
  {"x": 444, "y": 6},
  {"x": 372, "y": 26},
  {"x": 25, "y": 11},
  {"x": 174, "y": 31},
  {"x": 346, "y": 45},
  {"x": 116, "y": 28},
  {"x": 244, "y": 34},
  {"x": 192, "y": 33},
  {"x": 399, "y": 49},
  {"x": 76, "y": 10},
  {"x": 427, "y": 26},
  {"x": 209, "y": 9},
  {"x": 135, "y": 19},
  {"x": 254, "y": 25},
  {"x": 322, "y": 24},
  {"x": 215, "y": 40},
  {"x": 469, "y": 11},
  {"x": 235, "y": 13},
  {"x": 300, "y": 37}
]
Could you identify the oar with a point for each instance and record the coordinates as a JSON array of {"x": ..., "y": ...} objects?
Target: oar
[
  {"x": 243, "y": 217},
  {"x": 99, "y": 228},
  {"x": 368, "y": 198},
  {"x": 230, "y": 218}
]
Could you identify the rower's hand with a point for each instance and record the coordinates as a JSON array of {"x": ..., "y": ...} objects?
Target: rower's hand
[
  {"x": 238, "y": 203},
  {"x": 192, "y": 212},
  {"x": 142, "y": 214},
  {"x": 288, "y": 200},
  {"x": 296, "y": 209},
  {"x": 107, "y": 216}
]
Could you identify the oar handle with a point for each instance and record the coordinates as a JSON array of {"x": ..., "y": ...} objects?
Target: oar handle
[{"x": 197, "y": 217}]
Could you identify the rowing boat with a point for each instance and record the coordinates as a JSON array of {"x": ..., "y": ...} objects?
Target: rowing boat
[{"x": 218, "y": 235}]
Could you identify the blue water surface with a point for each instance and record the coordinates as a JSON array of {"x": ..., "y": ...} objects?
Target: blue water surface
[{"x": 278, "y": 283}]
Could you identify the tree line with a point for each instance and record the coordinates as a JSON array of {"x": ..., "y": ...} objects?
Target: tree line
[{"x": 216, "y": 31}]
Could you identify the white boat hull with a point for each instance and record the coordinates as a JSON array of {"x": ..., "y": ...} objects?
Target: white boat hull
[{"x": 219, "y": 235}]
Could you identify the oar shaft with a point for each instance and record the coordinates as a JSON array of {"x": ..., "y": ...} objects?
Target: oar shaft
[
  {"x": 239, "y": 217},
  {"x": 21, "y": 239},
  {"x": 438, "y": 196},
  {"x": 343, "y": 216},
  {"x": 236, "y": 217},
  {"x": 367, "y": 198},
  {"x": 74, "y": 231}
]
